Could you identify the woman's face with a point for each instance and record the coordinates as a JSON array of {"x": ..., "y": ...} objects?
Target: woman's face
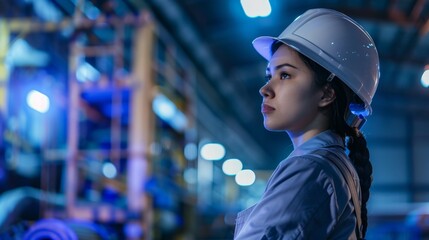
[{"x": 290, "y": 97}]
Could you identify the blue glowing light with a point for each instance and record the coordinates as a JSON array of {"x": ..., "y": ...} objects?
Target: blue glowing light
[
  {"x": 190, "y": 175},
  {"x": 86, "y": 72},
  {"x": 167, "y": 111},
  {"x": 91, "y": 11},
  {"x": 46, "y": 10},
  {"x": 38, "y": 101},
  {"x": 191, "y": 151},
  {"x": 109, "y": 170},
  {"x": 425, "y": 79},
  {"x": 256, "y": 8},
  {"x": 21, "y": 53}
]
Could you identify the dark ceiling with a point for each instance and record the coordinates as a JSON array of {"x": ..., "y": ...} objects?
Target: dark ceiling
[{"x": 217, "y": 35}]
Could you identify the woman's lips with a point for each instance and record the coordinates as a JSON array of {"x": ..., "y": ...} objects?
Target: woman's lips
[{"x": 265, "y": 108}]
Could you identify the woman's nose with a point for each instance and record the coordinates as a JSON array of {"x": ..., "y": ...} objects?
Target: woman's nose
[{"x": 265, "y": 91}]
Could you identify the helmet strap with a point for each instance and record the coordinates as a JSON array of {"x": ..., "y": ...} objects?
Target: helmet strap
[{"x": 354, "y": 120}]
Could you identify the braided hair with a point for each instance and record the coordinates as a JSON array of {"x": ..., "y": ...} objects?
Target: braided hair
[{"x": 355, "y": 140}]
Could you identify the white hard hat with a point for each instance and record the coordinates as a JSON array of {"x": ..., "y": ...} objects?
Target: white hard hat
[{"x": 337, "y": 43}]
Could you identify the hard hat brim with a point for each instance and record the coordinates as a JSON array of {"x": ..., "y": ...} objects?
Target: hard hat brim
[{"x": 263, "y": 45}]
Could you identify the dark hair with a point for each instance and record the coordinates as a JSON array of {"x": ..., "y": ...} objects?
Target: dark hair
[{"x": 356, "y": 142}]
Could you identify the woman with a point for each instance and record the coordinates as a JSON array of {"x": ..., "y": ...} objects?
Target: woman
[{"x": 322, "y": 74}]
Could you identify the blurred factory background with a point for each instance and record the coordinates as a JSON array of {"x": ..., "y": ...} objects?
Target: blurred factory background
[{"x": 140, "y": 119}]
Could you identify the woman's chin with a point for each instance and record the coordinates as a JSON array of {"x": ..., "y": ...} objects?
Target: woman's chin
[{"x": 272, "y": 128}]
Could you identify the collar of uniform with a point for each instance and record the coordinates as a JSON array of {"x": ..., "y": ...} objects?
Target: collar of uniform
[{"x": 322, "y": 140}]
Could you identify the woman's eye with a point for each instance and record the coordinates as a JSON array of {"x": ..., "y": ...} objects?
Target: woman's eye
[
  {"x": 284, "y": 76},
  {"x": 267, "y": 77}
]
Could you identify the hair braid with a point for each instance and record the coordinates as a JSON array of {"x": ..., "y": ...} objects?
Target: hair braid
[
  {"x": 356, "y": 144},
  {"x": 359, "y": 154}
]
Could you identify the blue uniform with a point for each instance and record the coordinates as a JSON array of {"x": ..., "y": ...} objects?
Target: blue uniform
[{"x": 306, "y": 198}]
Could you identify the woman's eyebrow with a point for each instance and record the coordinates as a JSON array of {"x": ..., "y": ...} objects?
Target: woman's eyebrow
[{"x": 282, "y": 65}]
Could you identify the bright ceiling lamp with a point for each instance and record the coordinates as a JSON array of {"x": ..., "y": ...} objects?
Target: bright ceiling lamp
[
  {"x": 245, "y": 177},
  {"x": 212, "y": 151},
  {"x": 232, "y": 166},
  {"x": 256, "y": 8},
  {"x": 425, "y": 77},
  {"x": 38, "y": 101}
]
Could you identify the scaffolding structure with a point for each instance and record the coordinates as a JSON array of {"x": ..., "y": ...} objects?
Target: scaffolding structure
[
  {"x": 144, "y": 84},
  {"x": 131, "y": 141},
  {"x": 139, "y": 130}
]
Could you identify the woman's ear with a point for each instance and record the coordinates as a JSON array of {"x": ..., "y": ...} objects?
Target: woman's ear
[{"x": 328, "y": 96}]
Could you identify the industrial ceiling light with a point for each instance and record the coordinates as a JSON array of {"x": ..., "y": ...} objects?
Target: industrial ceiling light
[
  {"x": 245, "y": 177},
  {"x": 256, "y": 8},
  {"x": 232, "y": 166},
  {"x": 212, "y": 151}
]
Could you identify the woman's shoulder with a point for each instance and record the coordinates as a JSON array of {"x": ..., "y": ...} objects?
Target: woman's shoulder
[
  {"x": 311, "y": 166},
  {"x": 309, "y": 160}
]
